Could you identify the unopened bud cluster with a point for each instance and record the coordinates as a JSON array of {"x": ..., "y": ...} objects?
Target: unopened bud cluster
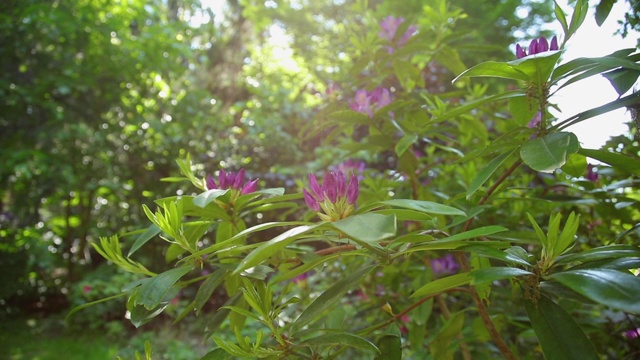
[
  {"x": 537, "y": 46},
  {"x": 233, "y": 182},
  {"x": 335, "y": 199}
]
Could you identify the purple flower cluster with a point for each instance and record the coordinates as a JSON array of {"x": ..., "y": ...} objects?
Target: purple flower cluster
[
  {"x": 445, "y": 265},
  {"x": 233, "y": 181},
  {"x": 336, "y": 197},
  {"x": 367, "y": 102},
  {"x": 390, "y": 26},
  {"x": 537, "y": 46},
  {"x": 352, "y": 166},
  {"x": 632, "y": 334}
]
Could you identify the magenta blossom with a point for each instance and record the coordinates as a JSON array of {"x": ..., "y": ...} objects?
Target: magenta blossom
[
  {"x": 535, "y": 121},
  {"x": 537, "y": 46},
  {"x": 632, "y": 334},
  {"x": 368, "y": 102},
  {"x": 335, "y": 199},
  {"x": 389, "y": 26},
  {"x": 233, "y": 181},
  {"x": 591, "y": 175},
  {"x": 352, "y": 166},
  {"x": 445, "y": 265}
]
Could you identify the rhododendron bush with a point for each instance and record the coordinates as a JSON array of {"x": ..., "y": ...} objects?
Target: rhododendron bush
[{"x": 464, "y": 223}]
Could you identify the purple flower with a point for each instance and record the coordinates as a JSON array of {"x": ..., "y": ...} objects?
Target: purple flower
[
  {"x": 362, "y": 103},
  {"x": 632, "y": 334},
  {"x": 352, "y": 166},
  {"x": 367, "y": 102},
  {"x": 354, "y": 190},
  {"x": 335, "y": 199},
  {"x": 233, "y": 181},
  {"x": 310, "y": 200},
  {"x": 342, "y": 183},
  {"x": 250, "y": 187},
  {"x": 315, "y": 187},
  {"x": 389, "y": 26},
  {"x": 520, "y": 53},
  {"x": 591, "y": 175},
  {"x": 301, "y": 278},
  {"x": 535, "y": 120},
  {"x": 537, "y": 46},
  {"x": 445, "y": 265},
  {"x": 330, "y": 186},
  {"x": 554, "y": 44},
  {"x": 411, "y": 30}
]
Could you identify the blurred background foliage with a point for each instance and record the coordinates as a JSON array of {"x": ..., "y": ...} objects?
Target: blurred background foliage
[{"x": 98, "y": 98}]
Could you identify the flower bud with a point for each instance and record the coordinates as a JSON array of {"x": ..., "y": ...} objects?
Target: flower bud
[{"x": 554, "y": 44}]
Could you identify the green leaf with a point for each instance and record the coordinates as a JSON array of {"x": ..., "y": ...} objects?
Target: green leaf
[
  {"x": 629, "y": 100},
  {"x": 208, "y": 196},
  {"x": 562, "y": 18},
  {"x": 567, "y": 237},
  {"x": 308, "y": 266},
  {"x": 341, "y": 338},
  {"x": 450, "y": 58},
  {"x": 460, "y": 110},
  {"x": 541, "y": 236},
  {"x": 269, "y": 248},
  {"x": 174, "y": 179},
  {"x": 141, "y": 315},
  {"x": 619, "y": 162},
  {"x": 153, "y": 289},
  {"x": 579, "y": 65},
  {"x": 244, "y": 312},
  {"x": 405, "y": 215},
  {"x": 84, "y": 306},
  {"x": 424, "y": 206},
  {"x": 487, "y": 171},
  {"x": 618, "y": 290},
  {"x": 600, "y": 253},
  {"x": 580, "y": 11},
  {"x": 602, "y": 10},
  {"x": 221, "y": 314},
  {"x": 481, "y": 231},
  {"x": 481, "y": 276},
  {"x": 151, "y": 231},
  {"x": 538, "y": 67},
  {"x": 207, "y": 288},
  {"x": 217, "y": 354},
  {"x": 494, "y": 253},
  {"x": 330, "y": 297},
  {"x": 442, "y": 285},
  {"x": 369, "y": 227},
  {"x": 615, "y": 264},
  {"x": 548, "y": 153},
  {"x": 494, "y": 69},
  {"x": 558, "y": 333},
  {"x": 623, "y": 72},
  {"x": 390, "y": 348},
  {"x": 523, "y": 109},
  {"x": 405, "y": 143},
  {"x": 173, "y": 251},
  {"x": 441, "y": 347},
  {"x": 576, "y": 165},
  {"x": 622, "y": 79}
]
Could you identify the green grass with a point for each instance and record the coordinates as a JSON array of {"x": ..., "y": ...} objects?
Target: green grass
[
  {"x": 31, "y": 338},
  {"x": 47, "y": 339}
]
